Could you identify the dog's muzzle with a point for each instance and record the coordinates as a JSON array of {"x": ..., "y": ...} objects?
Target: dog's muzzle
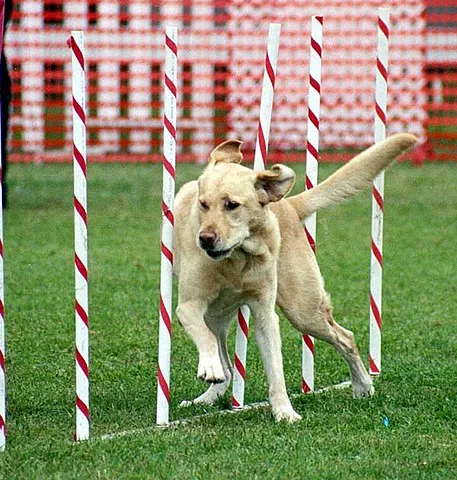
[
  {"x": 209, "y": 243},
  {"x": 207, "y": 240}
]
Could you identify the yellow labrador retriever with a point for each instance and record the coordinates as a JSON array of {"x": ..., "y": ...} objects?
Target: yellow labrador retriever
[{"x": 239, "y": 241}]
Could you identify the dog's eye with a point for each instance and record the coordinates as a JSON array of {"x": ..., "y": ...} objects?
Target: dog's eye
[
  {"x": 231, "y": 205},
  {"x": 204, "y": 205}
]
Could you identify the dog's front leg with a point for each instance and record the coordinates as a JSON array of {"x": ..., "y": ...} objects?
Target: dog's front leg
[
  {"x": 191, "y": 316},
  {"x": 220, "y": 328},
  {"x": 268, "y": 337}
]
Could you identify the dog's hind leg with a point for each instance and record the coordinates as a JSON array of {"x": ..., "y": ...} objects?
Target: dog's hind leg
[
  {"x": 320, "y": 323},
  {"x": 220, "y": 329}
]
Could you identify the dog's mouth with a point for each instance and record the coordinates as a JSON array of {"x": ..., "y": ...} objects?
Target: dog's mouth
[{"x": 220, "y": 254}]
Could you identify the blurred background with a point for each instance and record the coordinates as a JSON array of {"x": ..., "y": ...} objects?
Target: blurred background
[{"x": 221, "y": 55}]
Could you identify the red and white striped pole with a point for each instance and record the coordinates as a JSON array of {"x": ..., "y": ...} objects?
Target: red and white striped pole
[
  {"x": 241, "y": 350},
  {"x": 168, "y": 194},
  {"x": 260, "y": 161},
  {"x": 266, "y": 100},
  {"x": 81, "y": 251},
  {"x": 2, "y": 331},
  {"x": 378, "y": 195},
  {"x": 312, "y": 159},
  {"x": 2, "y": 285}
]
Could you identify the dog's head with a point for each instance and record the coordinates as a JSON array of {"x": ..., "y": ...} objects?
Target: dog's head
[{"x": 233, "y": 200}]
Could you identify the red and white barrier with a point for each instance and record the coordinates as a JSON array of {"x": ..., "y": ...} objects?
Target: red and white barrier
[
  {"x": 223, "y": 52},
  {"x": 168, "y": 194},
  {"x": 260, "y": 161},
  {"x": 377, "y": 217},
  {"x": 312, "y": 162},
  {"x": 81, "y": 251}
]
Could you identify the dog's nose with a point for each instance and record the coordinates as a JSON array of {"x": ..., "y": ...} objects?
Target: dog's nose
[{"x": 207, "y": 240}]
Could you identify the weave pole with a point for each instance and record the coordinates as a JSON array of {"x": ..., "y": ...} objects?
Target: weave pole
[
  {"x": 312, "y": 163},
  {"x": 241, "y": 350},
  {"x": 266, "y": 99},
  {"x": 260, "y": 161},
  {"x": 80, "y": 220},
  {"x": 168, "y": 194},
  {"x": 377, "y": 216},
  {"x": 2, "y": 283}
]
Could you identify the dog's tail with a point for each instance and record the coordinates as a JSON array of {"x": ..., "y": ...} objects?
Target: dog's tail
[{"x": 352, "y": 177}]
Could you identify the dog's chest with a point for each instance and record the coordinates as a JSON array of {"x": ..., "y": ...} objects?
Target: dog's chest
[
  {"x": 240, "y": 282},
  {"x": 245, "y": 276},
  {"x": 226, "y": 303}
]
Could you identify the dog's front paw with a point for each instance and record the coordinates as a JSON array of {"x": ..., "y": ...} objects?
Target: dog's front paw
[
  {"x": 286, "y": 414},
  {"x": 210, "y": 370},
  {"x": 363, "y": 390}
]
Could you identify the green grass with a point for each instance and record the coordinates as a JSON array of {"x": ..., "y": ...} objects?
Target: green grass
[{"x": 339, "y": 437}]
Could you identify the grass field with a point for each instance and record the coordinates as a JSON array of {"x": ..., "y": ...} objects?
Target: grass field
[{"x": 339, "y": 437}]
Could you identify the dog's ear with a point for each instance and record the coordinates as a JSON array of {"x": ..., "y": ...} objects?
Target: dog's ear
[
  {"x": 274, "y": 184},
  {"x": 227, "y": 152}
]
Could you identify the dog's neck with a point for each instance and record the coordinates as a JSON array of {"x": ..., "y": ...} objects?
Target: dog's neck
[
  {"x": 254, "y": 261},
  {"x": 264, "y": 238}
]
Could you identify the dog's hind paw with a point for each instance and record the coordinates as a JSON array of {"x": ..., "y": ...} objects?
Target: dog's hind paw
[
  {"x": 214, "y": 391},
  {"x": 286, "y": 414},
  {"x": 363, "y": 390}
]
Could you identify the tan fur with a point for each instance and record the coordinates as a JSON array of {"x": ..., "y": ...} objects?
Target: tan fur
[{"x": 238, "y": 241}]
